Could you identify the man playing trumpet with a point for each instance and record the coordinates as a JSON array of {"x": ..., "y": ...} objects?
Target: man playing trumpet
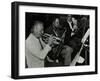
[{"x": 35, "y": 49}]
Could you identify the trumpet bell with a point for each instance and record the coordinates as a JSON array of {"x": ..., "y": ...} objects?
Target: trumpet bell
[{"x": 45, "y": 38}]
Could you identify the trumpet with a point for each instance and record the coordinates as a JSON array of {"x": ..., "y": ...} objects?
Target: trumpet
[{"x": 45, "y": 38}]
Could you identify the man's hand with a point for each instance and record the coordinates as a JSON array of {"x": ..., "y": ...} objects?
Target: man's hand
[{"x": 51, "y": 40}]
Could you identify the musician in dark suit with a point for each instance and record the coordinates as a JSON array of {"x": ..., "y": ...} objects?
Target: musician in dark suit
[{"x": 57, "y": 30}]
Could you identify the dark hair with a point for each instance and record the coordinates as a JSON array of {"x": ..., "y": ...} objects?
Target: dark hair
[{"x": 34, "y": 24}]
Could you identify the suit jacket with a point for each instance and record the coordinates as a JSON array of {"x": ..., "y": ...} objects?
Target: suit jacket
[
  {"x": 68, "y": 33},
  {"x": 34, "y": 53}
]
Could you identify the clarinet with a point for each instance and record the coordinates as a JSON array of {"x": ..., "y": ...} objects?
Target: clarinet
[{"x": 58, "y": 49}]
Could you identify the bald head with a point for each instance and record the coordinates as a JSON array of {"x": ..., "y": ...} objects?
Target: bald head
[{"x": 37, "y": 29}]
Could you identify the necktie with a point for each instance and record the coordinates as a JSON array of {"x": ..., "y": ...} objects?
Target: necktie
[{"x": 40, "y": 43}]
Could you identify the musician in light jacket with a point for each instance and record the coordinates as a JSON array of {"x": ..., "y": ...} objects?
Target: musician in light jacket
[{"x": 35, "y": 49}]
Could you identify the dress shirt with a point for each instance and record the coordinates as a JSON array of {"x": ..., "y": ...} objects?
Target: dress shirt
[{"x": 70, "y": 24}]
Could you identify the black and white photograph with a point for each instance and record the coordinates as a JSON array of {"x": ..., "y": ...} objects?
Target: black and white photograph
[
  {"x": 56, "y": 40},
  {"x": 51, "y": 40}
]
